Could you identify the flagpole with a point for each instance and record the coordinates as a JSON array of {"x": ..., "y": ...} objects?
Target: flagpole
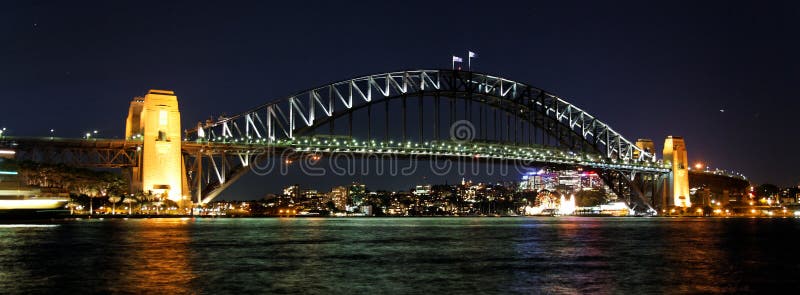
[
  {"x": 457, "y": 59},
  {"x": 470, "y": 55}
]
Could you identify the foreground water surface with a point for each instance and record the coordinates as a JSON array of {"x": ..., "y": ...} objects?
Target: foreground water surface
[{"x": 401, "y": 255}]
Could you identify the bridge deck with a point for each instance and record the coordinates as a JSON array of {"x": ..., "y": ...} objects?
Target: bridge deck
[{"x": 522, "y": 154}]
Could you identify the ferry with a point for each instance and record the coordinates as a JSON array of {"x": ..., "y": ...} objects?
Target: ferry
[{"x": 19, "y": 201}]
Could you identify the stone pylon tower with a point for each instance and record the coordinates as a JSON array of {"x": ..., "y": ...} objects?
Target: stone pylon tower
[
  {"x": 133, "y": 131},
  {"x": 646, "y": 145},
  {"x": 156, "y": 120},
  {"x": 678, "y": 184}
]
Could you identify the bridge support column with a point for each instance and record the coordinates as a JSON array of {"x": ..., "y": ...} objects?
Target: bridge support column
[
  {"x": 678, "y": 182},
  {"x": 155, "y": 119},
  {"x": 199, "y": 178}
]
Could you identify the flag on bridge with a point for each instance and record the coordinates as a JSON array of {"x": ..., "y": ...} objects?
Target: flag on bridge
[
  {"x": 455, "y": 60},
  {"x": 470, "y": 56}
]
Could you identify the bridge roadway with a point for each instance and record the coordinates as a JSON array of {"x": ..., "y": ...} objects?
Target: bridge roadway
[{"x": 118, "y": 153}]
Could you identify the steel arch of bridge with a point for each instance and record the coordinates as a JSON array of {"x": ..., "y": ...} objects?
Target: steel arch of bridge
[
  {"x": 283, "y": 118},
  {"x": 281, "y": 123}
]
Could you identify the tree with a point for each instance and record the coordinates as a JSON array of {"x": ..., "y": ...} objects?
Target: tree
[
  {"x": 91, "y": 194},
  {"x": 767, "y": 190},
  {"x": 130, "y": 200},
  {"x": 157, "y": 200},
  {"x": 113, "y": 200},
  {"x": 142, "y": 199},
  {"x": 792, "y": 192},
  {"x": 146, "y": 197},
  {"x": 79, "y": 181},
  {"x": 589, "y": 198},
  {"x": 331, "y": 206},
  {"x": 72, "y": 205}
]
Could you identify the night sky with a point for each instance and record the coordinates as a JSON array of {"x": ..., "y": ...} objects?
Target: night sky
[{"x": 649, "y": 69}]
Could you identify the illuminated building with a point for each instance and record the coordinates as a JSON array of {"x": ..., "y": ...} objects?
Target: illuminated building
[
  {"x": 422, "y": 190},
  {"x": 678, "y": 183},
  {"x": 339, "y": 197},
  {"x": 567, "y": 181},
  {"x": 356, "y": 193},
  {"x": 468, "y": 191},
  {"x": 292, "y": 191},
  {"x": 155, "y": 119}
]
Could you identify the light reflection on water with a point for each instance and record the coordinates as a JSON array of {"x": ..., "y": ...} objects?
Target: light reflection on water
[
  {"x": 26, "y": 225},
  {"x": 400, "y": 255},
  {"x": 156, "y": 258}
]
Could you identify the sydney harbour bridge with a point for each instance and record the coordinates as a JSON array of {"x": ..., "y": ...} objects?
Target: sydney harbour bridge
[{"x": 432, "y": 115}]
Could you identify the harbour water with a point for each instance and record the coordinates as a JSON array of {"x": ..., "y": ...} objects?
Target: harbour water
[{"x": 400, "y": 256}]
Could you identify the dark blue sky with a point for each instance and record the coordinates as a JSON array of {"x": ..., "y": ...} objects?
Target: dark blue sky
[{"x": 648, "y": 68}]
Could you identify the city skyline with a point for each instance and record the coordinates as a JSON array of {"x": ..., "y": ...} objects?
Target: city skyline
[
  {"x": 371, "y": 147},
  {"x": 722, "y": 83}
]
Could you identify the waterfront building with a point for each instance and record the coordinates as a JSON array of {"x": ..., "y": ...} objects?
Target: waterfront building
[
  {"x": 422, "y": 190},
  {"x": 564, "y": 181},
  {"x": 339, "y": 197},
  {"x": 356, "y": 193},
  {"x": 292, "y": 191}
]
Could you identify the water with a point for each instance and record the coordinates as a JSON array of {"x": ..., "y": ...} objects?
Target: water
[{"x": 401, "y": 256}]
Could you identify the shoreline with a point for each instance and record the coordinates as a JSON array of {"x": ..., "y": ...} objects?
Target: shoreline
[{"x": 23, "y": 219}]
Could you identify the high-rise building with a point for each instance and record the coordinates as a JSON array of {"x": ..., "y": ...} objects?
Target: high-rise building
[
  {"x": 339, "y": 197},
  {"x": 356, "y": 192},
  {"x": 292, "y": 191}
]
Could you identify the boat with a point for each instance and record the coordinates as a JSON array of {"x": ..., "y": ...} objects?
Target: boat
[
  {"x": 20, "y": 201},
  {"x": 548, "y": 212}
]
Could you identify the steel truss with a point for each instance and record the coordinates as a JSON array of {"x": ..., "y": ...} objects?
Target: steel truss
[
  {"x": 283, "y": 118},
  {"x": 641, "y": 190},
  {"x": 94, "y": 153},
  {"x": 299, "y": 115}
]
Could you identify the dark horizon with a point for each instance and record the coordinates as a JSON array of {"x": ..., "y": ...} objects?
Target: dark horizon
[{"x": 720, "y": 74}]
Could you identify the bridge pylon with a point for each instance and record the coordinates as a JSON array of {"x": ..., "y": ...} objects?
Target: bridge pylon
[
  {"x": 155, "y": 120},
  {"x": 676, "y": 158}
]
